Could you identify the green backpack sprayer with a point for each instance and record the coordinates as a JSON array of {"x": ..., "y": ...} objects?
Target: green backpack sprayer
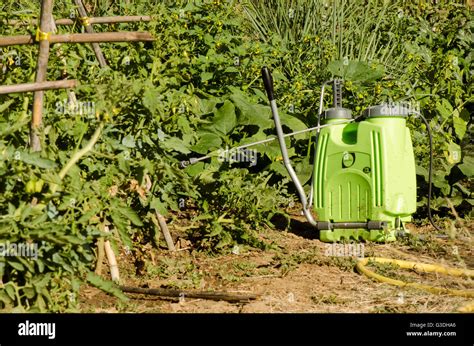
[{"x": 364, "y": 179}]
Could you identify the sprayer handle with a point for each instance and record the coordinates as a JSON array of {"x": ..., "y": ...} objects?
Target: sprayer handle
[{"x": 268, "y": 82}]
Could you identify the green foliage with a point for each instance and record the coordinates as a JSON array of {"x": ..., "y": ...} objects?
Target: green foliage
[
  {"x": 158, "y": 102},
  {"x": 196, "y": 90},
  {"x": 236, "y": 205}
]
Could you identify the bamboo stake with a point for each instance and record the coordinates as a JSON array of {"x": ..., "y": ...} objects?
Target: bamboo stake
[
  {"x": 100, "y": 255},
  {"x": 114, "y": 270},
  {"x": 156, "y": 236},
  {"x": 166, "y": 231},
  {"x": 165, "y": 292},
  {"x": 124, "y": 36},
  {"x": 43, "y": 57},
  {"x": 28, "y": 87},
  {"x": 92, "y": 20},
  {"x": 95, "y": 46},
  {"x": 60, "y": 54}
]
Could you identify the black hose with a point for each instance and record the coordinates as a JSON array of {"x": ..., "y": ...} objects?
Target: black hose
[{"x": 430, "y": 170}]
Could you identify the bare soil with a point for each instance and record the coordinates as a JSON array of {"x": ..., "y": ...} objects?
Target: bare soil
[{"x": 296, "y": 275}]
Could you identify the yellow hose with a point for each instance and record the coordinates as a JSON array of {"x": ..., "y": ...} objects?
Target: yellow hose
[{"x": 427, "y": 268}]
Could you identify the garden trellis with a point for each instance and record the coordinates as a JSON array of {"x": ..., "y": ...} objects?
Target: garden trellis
[{"x": 45, "y": 36}]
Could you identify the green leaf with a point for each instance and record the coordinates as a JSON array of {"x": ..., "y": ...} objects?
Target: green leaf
[
  {"x": 159, "y": 206},
  {"x": 87, "y": 216},
  {"x": 5, "y": 298},
  {"x": 467, "y": 166},
  {"x": 195, "y": 169},
  {"x": 292, "y": 122},
  {"x": 353, "y": 70},
  {"x": 454, "y": 153},
  {"x": 151, "y": 98},
  {"x": 203, "y": 106},
  {"x": 460, "y": 121},
  {"x": 16, "y": 265},
  {"x": 252, "y": 114},
  {"x": 176, "y": 144},
  {"x": 216, "y": 230},
  {"x": 444, "y": 108},
  {"x": 304, "y": 170},
  {"x": 206, "y": 142},
  {"x": 29, "y": 292},
  {"x": 231, "y": 69},
  {"x": 10, "y": 291},
  {"x": 105, "y": 285},
  {"x": 122, "y": 227},
  {"x": 34, "y": 159},
  {"x": 225, "y": 119},
  {"x": 205, "y": 76},
  {"x": 130, "y": 214},
  {"x": 128, "y": 141},
  {"x": 40, "y": 265},
  {"x": 5, "y": 105},
  {"x": 279, "y": 168},
  {"x": 420, "y": 170}
]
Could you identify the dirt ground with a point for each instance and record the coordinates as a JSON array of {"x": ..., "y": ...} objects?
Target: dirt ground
[{"x": 296, "y": 275}]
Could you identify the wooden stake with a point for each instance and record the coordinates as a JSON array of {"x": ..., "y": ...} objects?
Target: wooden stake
[
  {"x": 42, "y": 66},
  {"x": 41, "y": 86},
  {"x": 165, "y": 292},
  {"x": 124, "y": 36},
  {"x": 114, "y": 270},
  {"x": 166, "y": 231},
  {"x": 98, "y": 52},
  {"x": 100, "y": 255}
]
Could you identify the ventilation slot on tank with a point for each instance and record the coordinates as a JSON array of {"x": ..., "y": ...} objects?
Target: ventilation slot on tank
[
  {"x": 320, "y": 170},
  {"x": 377, "y": 168}
]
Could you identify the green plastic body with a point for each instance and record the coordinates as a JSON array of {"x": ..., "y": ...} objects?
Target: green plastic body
[{"x": 363, "y": 172}]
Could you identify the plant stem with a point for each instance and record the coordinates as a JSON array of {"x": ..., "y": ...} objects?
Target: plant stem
[{"x": 77, "y": 156}]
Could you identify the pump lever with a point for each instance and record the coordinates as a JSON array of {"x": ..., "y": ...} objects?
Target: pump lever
[
  {"x": 268, "y": 81},
  {"x": 337, "y": 93}
]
